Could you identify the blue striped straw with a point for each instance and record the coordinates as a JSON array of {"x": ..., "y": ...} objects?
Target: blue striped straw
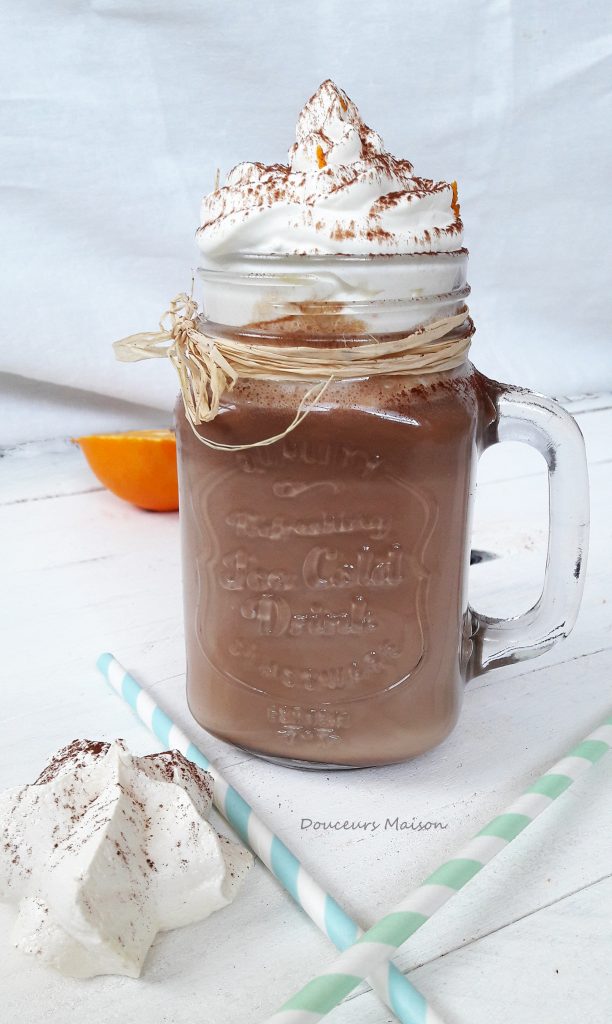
[{"x": 396, "y": 991}]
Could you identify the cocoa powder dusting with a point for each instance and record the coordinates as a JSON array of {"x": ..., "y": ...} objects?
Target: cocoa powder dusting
[{"x": 75, "y": 755}]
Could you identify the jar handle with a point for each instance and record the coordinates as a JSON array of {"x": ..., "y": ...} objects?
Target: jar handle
[{"x": 546, "y": 426}]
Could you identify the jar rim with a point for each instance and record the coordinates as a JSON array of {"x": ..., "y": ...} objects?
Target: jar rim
[
  {"x": 275, "y": 258},
  {"x": 387, "y": 294}
]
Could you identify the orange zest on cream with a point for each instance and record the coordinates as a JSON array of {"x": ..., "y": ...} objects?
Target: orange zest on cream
[{"x": 455, "y": 202}]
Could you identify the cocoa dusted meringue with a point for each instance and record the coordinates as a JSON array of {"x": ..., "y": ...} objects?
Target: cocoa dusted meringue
[
  {"x": 340, "y": 193},
  {"x": 105, "y": 850}
]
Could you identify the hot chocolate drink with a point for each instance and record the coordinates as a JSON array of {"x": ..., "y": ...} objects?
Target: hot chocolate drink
[
  {"x": 325, "y": 575},
  {"x": 326, "y": 533}
]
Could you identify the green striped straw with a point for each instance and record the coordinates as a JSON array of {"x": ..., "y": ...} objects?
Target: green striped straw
[
  {"x": 381, "y": 941},
  {"x": 404, "y": 1000}
]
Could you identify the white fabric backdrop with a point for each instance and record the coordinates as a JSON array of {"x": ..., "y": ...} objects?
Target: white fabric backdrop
[{"x": 117, "y": 112}]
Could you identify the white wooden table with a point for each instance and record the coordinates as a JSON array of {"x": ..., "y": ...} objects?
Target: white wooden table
[{"x": 530, "y": 939}]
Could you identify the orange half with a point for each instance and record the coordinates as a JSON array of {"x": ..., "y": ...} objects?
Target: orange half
[{"x": 138, "y": 466}]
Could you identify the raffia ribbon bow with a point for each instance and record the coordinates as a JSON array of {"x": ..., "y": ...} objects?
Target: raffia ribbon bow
[
  {"x": 203, "y": 371},
  {"x": 208, "y": 366}
]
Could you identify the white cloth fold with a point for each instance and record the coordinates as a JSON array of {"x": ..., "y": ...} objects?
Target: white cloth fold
[{"x": 116, "y": 116}]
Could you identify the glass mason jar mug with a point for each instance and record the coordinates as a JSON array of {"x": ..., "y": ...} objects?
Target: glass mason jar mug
[{"x": 327, "y": 622}]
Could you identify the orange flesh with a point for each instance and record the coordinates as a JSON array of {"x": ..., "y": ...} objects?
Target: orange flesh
[{"x": 322, "y": 162}]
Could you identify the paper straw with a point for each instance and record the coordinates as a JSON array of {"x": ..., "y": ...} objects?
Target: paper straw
[
  {"x": 406, "y": 1002},
  {"x": 381, "y": 941}
]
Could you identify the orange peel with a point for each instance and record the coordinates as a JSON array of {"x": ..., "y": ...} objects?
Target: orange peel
[
  {"x": 454, "y": 201},
  {"x": 136, "y": 465}
]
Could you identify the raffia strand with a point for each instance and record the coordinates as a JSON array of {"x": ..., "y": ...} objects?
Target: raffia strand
[{"x": 208, "y": 367}]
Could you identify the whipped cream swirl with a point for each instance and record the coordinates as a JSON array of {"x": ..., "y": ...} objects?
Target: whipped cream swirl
[
  {"x": 340, "y": 192},
  {"x": 106, "y": 849}
]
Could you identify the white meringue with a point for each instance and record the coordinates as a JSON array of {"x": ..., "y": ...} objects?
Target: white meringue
[
  {"x": 105, "y": 850},
  {"x": 340, "y": 193}
]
